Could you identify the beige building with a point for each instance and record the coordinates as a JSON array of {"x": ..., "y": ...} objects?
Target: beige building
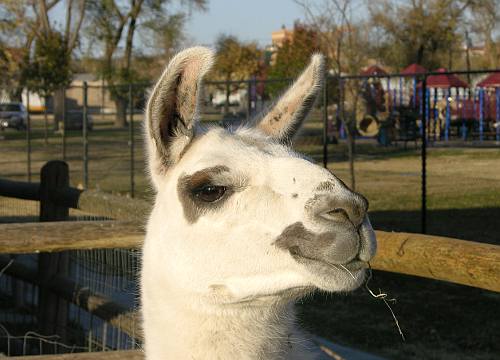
[
  {"x": 280, "y": 36},
  {"x": 98, "y": 97}
]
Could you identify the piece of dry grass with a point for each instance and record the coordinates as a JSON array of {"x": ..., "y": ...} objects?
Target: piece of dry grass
[{"x": 384, "y": 297}]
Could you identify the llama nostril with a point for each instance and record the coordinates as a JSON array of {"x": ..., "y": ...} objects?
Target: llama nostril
[{"x": 294, "y": 251}]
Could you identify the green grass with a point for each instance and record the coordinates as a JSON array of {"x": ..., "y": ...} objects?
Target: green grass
[{"x": 440, "y": 320}]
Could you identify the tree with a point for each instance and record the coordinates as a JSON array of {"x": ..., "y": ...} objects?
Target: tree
[
  {"x": 483, "y": 22},
  {"x": 49, "y": 68},
  {"x": 12, "y": 68},
  {"x": 16, "y": 38},
  {"x": 25, "y": 22},
  {"x": 235, "y": 61},
  {"x": 293, "y": 56},
  {"x": 421, "y": 31},
  {"x": 114, "y": 22}
]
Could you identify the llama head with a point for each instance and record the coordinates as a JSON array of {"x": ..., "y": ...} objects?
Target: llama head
[{"x": 239, "y": 217}]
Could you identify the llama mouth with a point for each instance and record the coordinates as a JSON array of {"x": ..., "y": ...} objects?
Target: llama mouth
[{"x": 352, "y": 267}]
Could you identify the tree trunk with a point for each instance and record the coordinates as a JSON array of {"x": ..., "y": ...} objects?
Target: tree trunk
[
  {"x": 58, "y": 107},
  {"x": 46, "y": 122},
  {"x": 16, "y": 95},
  {"x": 350, "y": 154},
  {"x": 228, "y": 93},
  {"x": 121, "y": 112}
]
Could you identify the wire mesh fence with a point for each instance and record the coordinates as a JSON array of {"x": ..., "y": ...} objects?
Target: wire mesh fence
[{"x": 111, "y": 273}]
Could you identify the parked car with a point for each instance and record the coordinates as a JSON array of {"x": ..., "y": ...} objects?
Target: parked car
[
  {"x": 74, "y": 120},
  {"x": 13, "y": 115}
]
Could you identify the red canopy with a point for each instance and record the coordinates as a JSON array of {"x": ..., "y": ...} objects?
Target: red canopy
[
  {"x": 374, "y": 70},
  {"x": 493, "y": 80},
  {"x": 414, "y": 69},
  {"x": 445, "y": 81}
]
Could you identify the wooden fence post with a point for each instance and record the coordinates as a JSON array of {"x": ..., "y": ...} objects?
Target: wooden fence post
[{"x": 53, "y": 311}]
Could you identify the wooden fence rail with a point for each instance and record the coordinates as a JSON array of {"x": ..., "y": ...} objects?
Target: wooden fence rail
[{"x": 434, "y": 257}]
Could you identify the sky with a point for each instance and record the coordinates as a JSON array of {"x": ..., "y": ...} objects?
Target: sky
[{"x": 249, "y": 20}]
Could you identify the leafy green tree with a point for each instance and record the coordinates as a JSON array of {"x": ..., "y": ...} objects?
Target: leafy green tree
[
  {"x": 49, "y": 69},
  {"x": 235, "y": 61},
  {"x": 12, "y": 68},
  {"x": 26, "y": 22},
  {"x": 293, "y": 56}
]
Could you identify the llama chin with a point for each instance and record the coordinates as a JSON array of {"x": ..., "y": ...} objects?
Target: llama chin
[{"x": 242, "y": 225}]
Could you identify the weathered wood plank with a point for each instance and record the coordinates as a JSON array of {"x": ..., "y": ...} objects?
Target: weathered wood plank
[
  {"x": 108, "y": 355},
  {"x": 441, "y": 258},
  {"x": 434, "y": 257},
  {"x": 69, "y": 235}
]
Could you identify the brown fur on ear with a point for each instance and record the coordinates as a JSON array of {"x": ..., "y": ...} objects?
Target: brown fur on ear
[
  {"x": 285, "y": 118},
  {"x": 173, "y": 106}
]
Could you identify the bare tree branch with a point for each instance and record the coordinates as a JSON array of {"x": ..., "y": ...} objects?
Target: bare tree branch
[
  {"x": 69, "y": 9},
  {"x": 71, "y": 42},
  {"x": 43, "y": 14}
]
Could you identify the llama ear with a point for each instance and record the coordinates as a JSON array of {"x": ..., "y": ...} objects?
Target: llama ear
[
  {"x": 173, "y": 106},
  {"x": 286, "y": 116}
]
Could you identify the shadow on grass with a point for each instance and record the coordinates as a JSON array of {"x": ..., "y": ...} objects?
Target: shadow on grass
[{"x": 474, "y": 224}]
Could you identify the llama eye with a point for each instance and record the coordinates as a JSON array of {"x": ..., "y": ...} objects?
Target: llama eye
[{"x": 210, "y": 193}]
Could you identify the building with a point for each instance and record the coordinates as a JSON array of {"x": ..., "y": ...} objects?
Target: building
[{"x": 278, "y": 38}]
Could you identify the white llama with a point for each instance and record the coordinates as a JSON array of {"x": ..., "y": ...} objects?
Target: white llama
[{"x": 241, "y": 226}]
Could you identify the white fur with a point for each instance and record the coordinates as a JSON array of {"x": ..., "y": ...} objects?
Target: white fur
[{"x": 218, "y": 288}]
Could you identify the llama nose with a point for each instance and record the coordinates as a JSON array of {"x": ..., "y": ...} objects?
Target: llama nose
[{"x": 352, "y": 208}]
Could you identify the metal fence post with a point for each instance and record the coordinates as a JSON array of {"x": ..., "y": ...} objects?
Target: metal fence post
[
  {"x": 424, "y": 158},
  {"x": 64, "y": 124},
  {"x": 481, "y": 114},
  {"x": 448, "y": 116},
  {"x": 325, "y": 122},
  {"x": 249, "y": 100},
  {"x": 341, "y": 109},
  {"x": 85, "y": 137},
  {"x": 28, "y": 136},
  {"x": 131, "y": 138},
  {"x": 497, "y": 103}
]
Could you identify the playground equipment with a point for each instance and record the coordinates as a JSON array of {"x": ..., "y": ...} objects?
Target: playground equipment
[{"x": 454, "y": 108}]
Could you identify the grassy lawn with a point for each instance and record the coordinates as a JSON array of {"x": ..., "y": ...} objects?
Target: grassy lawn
[{"x": 440, "y": 320}]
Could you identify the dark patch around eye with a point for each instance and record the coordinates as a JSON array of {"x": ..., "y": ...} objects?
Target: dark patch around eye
[{"x": 190, "y": 185}]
